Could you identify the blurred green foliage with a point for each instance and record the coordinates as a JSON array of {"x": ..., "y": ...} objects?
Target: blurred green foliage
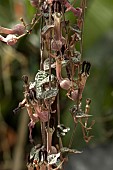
[{"x": 24, "y": 58}]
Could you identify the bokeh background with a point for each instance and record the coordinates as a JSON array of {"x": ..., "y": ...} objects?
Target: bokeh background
[{"x": 24, "y": 58}]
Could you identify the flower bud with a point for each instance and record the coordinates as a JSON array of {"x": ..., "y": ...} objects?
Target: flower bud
[
  {"x": 18, "y": 29},
  {"x": 65, "y": 84}
]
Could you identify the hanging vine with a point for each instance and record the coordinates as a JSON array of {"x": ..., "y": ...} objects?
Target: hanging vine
[{"x": 58, "y": 39}]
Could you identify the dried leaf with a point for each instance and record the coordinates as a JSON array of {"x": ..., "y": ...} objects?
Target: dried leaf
[
  {"x": 50, "y": 93},
  {"x": 52, "y": 159},
  {"x": 46, "y": 64},
  {"x": 47, "y": 94},
  {"x": 36, "y": 157},
  {"x": 42, "y": 77},
  {"x": 76, "y": 58},
  {"x": 33, "y": 152},
  {"x": 68, "y": 150}
]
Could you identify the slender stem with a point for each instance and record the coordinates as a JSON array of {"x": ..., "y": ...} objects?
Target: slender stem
[
  {"x": 43, "y": 133},
  {"x": 41, "y": 46},
  {"x": 48, "y": 133},
  {"x": 73, "y": 2},
  {"x": 83, "y": 5},
  {"x": 58, "y": 114},
  {"x": 50, "y": 47}
]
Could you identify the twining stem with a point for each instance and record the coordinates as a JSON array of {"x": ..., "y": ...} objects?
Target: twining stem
[
  {"x": 58, "y": 114},
  {"x": 78, "y": 101},
  {"x": 48, "y": 133},
  {"x": 83, "y": 5},
  {"x": 41, "y": 46},
  {"x": 43, "y": 132}
]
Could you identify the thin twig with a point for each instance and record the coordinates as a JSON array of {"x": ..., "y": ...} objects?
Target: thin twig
[
  {"x": 48, "y": 140},
  {"x": 58, "y": 114},
  {"x": 83, "y": 5}
]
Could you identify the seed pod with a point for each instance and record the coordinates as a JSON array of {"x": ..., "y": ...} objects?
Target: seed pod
[{"x": 18, "y": 29}]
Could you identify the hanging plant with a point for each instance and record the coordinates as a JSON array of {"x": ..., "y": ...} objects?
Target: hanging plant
[{"x": 58, "y": 38}]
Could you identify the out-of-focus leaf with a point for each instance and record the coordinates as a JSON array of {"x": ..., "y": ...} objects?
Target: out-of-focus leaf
[{"x": 98, "y": 20}]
